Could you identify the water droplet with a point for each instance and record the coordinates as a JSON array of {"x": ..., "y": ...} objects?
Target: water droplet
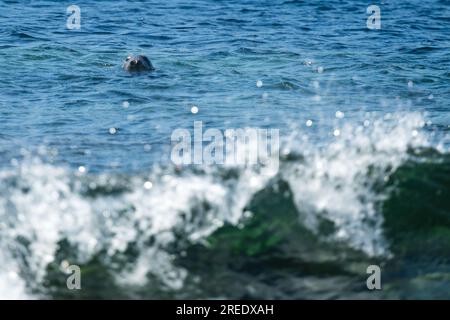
[
  {"x": 309, "y": 123},
  {"x": 430, "y": 97},
  {"x": 254, "y": 181},
  {"x": 112, "y": 130},
  {"x": 366, "y": 123},
  {"x": 194, "y": 109},
  {"x": 147, "y": 147},
  {"x": 320, "y": 69},
  {"x": 336, "y": 132},
  {"x": 247, "y": 214},
  {"x": 259, "y": 83},
  {"x": 125, "y": 104},
  {"x": 148, "y": 185},
  {"x": 339, "y": 114},
  {"x": 65, "y": 264},
  {"x": 82, "y": 169}
]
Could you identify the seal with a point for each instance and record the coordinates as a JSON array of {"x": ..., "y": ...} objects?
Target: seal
[{"x": 137, "y": 64}]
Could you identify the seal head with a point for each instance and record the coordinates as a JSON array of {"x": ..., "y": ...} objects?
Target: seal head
[{"x": 137, "y": 64}]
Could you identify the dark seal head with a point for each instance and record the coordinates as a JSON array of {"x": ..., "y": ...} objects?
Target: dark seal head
[{"x": 137, "y": 64}]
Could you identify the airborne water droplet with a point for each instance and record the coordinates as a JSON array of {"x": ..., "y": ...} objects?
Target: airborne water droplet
[
  {"x": 148, "y": 185},
  {"x": 339, "y": 114}
]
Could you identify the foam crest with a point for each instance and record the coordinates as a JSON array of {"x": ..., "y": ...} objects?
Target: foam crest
[{"x": 336, "y": 182}]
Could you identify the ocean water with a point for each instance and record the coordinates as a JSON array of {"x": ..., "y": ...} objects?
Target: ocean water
[{"x": 86, "y": 176}]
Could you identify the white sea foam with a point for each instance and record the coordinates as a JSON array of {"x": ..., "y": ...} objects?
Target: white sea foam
[
  {"x": 43, "y": 204},
  {"x": 335, "y": 181}
]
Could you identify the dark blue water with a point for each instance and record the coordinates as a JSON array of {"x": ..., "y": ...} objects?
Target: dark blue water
[{"x": 62, "y": 91}]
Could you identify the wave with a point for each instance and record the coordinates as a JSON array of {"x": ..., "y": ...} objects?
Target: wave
[{"x": 360, "y": 197}]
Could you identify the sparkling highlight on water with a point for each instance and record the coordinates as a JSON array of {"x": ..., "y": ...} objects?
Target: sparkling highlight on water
[{"x": 194, "y": 110}]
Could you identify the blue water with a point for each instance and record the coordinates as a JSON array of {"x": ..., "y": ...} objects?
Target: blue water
[
  {"x": 65, "y": 100},
  {"x": 64, "y": 88}
]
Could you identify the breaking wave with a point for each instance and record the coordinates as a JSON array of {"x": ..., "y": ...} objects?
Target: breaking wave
[{"x": 141, "y": 229}]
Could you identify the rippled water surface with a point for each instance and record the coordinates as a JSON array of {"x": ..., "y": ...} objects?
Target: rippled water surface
[{"x": 363, "y": 118}]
